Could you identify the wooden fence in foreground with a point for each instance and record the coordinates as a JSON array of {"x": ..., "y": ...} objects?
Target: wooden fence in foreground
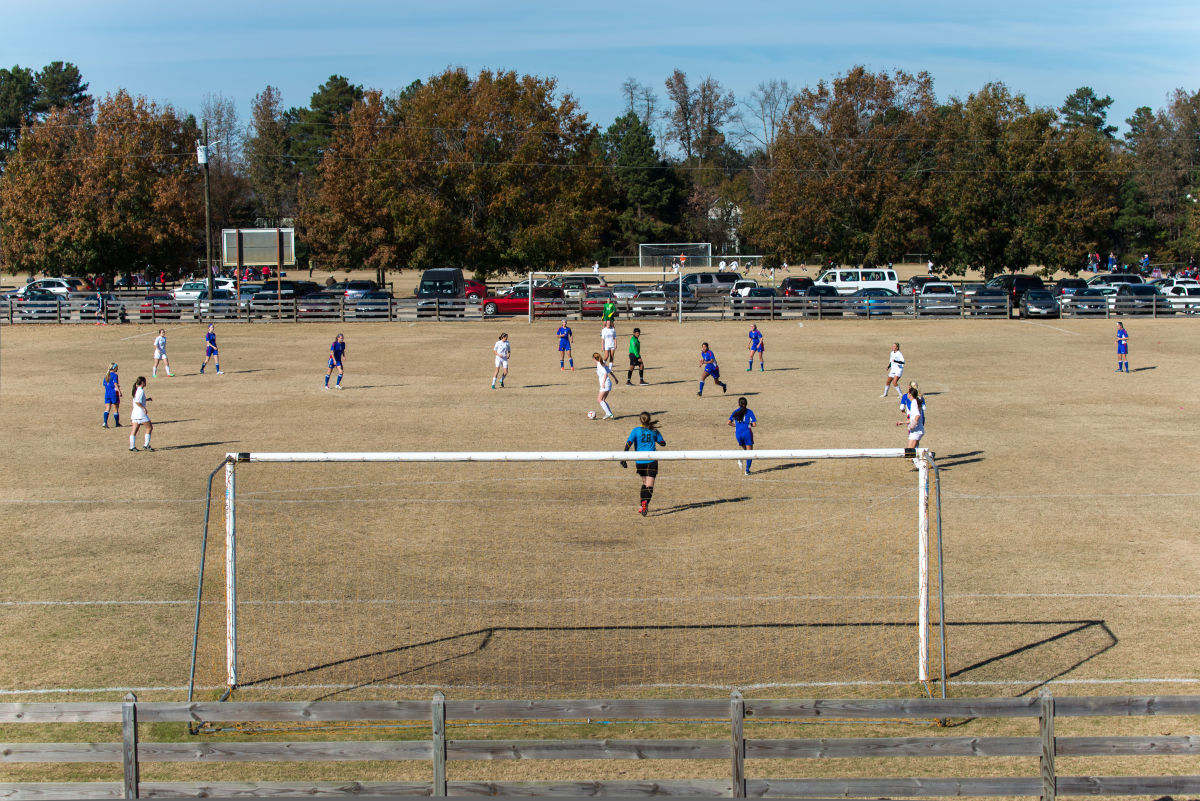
[{"x": 439, "y": 750}]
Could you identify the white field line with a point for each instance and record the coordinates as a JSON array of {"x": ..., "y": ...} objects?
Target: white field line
[
  {"x": 1182, "y": 680},
  {"x": 594, "y": 600},
  {"x": 1052, "y": 327},
  {"x": 148, "y": 334}
]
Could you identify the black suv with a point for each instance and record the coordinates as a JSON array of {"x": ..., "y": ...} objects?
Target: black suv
[
  {"x": 1016, "y": 285},
  {"x": 795, "y": 285}
]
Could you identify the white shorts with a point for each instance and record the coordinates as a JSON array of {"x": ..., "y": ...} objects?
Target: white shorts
[
  {"x": 895, "y": 371},
  {"x": 501, "y": 362},
  {"x": 159, "y": 354},
  {"x": 606, "y": 386},
  {"x": 609, "y": 344},
  {"x": 139, "y": 417},
  {"x": 916, "y": 434}
]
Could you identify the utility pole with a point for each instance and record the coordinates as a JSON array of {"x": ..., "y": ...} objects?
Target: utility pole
[{"x": 202, "y": 159}]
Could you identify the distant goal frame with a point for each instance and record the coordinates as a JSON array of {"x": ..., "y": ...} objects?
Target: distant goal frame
[{"x": 929, "y": 521}]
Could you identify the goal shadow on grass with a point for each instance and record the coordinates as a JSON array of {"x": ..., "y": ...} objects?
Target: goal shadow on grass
[{"x": 1025, "y": 654}]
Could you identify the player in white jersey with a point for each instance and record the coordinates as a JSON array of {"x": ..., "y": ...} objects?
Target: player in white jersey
[
  {"x": 502, "y": 349},
  {"x": 608, "y": 340},
  {"x": 141, "y": 416},
  {"x": 916, "y": 417},
  {"x": 160, "y": 353},
  {"x": 895, "y": 369},
  {"x": 605, "y": 375}
]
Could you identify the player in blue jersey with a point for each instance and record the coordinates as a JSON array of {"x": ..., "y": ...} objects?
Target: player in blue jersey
[
  {"x": 210, "y": 350},
  {"x": 743, "y": 421},
  {"x": 1122, "y": 348},
  {"x": 756, "y": 346},
  {"x": 709, "y": 363},
  {"x": 645, "y": 437},
  {"x": 336, "y": 351},
  {"x": 564, "y": 346},
  {"x": 112, "y": 395}
]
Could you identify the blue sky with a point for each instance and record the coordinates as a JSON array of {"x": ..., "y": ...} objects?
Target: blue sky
[{"x": 177, "y": 53}]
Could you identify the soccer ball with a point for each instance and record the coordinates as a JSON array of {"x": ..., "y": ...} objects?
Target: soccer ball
[{"x": 591, "y": 415}]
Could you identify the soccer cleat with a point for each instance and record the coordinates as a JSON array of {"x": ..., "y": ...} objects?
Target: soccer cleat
[
  {"x": 134, "y": 450},
  {"x": 643, "y": 383},
  {"x": 748, "y": 369},
  {"x": 610, "y": 417},
  {"x": 724, "y": 388},
  {"x": 699, "y": 394},
  {"x": 170, "y": 375},
  {"x": 761, "y": 369},
  {"x": 118, "y": 425},
  {"x": 747, "y": 471},
  {"x": 642, "y": 508},
  {"x": 220, "y": 372},
  {"x": 326, "y": 386},
  {"x": 884, "y": 395},
  {"x": 147, "y": 448},
  {"x": 629, "y": 383},
  {"x": 339, "y": 386},
  {"x": 739, "y": 462}
]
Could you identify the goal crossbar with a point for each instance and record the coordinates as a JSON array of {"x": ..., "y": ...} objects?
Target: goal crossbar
[
  {"x": 923, "y": 458},
  {"x": 576, "y": 456}
]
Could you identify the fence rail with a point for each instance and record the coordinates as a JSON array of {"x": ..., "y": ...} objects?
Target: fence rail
[
  {"x": 83, "y": 309},
  {"x": 440, "y": 750}
]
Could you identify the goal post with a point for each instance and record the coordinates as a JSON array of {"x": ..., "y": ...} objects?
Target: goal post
[
  {"x": 298, "y": 585},
  {"x": 694, "y": 255}
]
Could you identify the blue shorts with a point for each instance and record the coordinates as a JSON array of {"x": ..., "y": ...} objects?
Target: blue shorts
[
  {"x": 715, "y": 372},
  {"x": 209, "y": 351},
  {"x": 746, "y": 439},
  {"x": 1122, "y": 349},
  {"x": 759, "y": 348},
  {"x": 334, "y": 362},
  {"x": 111, "y": 398},
  {"x": 564, "y": 345}
]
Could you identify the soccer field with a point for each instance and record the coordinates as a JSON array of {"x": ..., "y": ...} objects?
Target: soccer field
[{"x": 1068, "y": 501}]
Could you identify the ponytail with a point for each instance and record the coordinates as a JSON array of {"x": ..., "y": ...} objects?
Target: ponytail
[{"x": 644, "y": 419}]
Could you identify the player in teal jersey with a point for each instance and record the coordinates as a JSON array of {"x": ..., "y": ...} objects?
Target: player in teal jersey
[{"x": 645, "y": 437}]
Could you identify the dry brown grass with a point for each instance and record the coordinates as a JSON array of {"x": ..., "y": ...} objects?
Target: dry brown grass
[{"x": 1068, "y": 496}]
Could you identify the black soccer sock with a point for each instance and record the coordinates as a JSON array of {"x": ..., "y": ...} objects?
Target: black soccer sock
[{"x": 646, "y": 493}]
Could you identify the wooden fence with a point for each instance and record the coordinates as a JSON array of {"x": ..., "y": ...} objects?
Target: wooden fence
[{"x": 439, "y": 750}]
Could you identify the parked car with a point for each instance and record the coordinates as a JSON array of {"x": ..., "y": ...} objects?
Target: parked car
[
  {"x": 1090, "y": 301},
  {"x": 653, "y": 303},
  {"x": 223, "y": 304},
  {"x": 1140, "y": 299},
  {"x": 794, "y": 286},
  {"x": 758, "y": 302},
  {"x": 546, "y": 300},
  {"x": 625, "y": 291},
  {"x": 848, "y": 280},
  {"x": 1184, "y": 298},
  {"x": 1016, "y": 285},
  {"x": 1114, "y": 279},
  {"x": 57, "y": 286},
  {"x": 536, "y": 282},
  {"x": 576, "y": 285},
  {"x": 913, "y": 285},
  {"x": 1039, "y": 303},
  {"x": 678, "y": 293},
  {"x": 474, "y": 290},
  {"x": 1069, "y": 286},
  {"x": 352, "y": 290},
  {"x": 938, "y": 297},
  {"x": 741, "y": 288},
  {"x": 276, "y": 296},
  {"x": 592, "y": 304},
  {"x": 190, "y": 290},
  {"x": 247, "y": 292},
  {"x": 876, "y": 302},
  {"x": 159, "y": 306},
  {"x": 376, "y": 304},
  {"x": 41, "y": 304},
  {"x": 320, "y": 304},
  {"x": 718, "y": 283},
  {"x": 988, "y": 301}
]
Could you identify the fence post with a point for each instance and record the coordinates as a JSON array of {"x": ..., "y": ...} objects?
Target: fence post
[
  {"x": 1046, "y": 727},
  {"x": 439, "y": 744},
  {"x": 129, "y": 745},
  {"x": 737, "y": 714}
]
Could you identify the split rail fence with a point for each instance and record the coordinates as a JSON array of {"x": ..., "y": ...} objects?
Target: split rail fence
[{"x": 439, "y": 750}]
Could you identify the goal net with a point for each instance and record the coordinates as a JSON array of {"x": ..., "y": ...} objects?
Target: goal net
[
  {"x": 533, "y": 575},
  {"x": 691, "y": 255}
]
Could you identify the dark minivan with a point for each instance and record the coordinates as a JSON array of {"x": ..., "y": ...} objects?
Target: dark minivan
[{"x": 442, "y": 291}]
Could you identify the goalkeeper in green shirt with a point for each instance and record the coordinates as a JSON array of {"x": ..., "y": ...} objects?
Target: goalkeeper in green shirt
[{"x": 635, "y": 358}]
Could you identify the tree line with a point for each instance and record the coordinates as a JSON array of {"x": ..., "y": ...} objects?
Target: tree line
[{"x": 500, "y": 172}]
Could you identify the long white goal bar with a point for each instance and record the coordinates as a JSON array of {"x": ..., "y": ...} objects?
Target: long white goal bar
[
  {"x": 576, "y": 456},
  {"x": 923, "y": 457}
]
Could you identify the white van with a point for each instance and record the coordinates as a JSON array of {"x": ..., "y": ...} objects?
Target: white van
[{"x": 848, "y": 280}]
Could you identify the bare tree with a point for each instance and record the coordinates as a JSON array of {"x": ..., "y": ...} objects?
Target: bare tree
[
  {"x": 221, "y": 115},
  {"x": 697, "y": 115},
  {"x": 765, "y": 110},
  {"x": 640, "y": 100},
  {"x": 681, "y": 119}
]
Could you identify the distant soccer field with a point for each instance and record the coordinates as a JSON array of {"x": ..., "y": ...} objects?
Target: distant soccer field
[{"x": 1068, "y": 492}]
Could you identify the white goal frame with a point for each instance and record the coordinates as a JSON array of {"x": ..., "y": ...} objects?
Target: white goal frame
[{"x": 923, "y": 458}]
